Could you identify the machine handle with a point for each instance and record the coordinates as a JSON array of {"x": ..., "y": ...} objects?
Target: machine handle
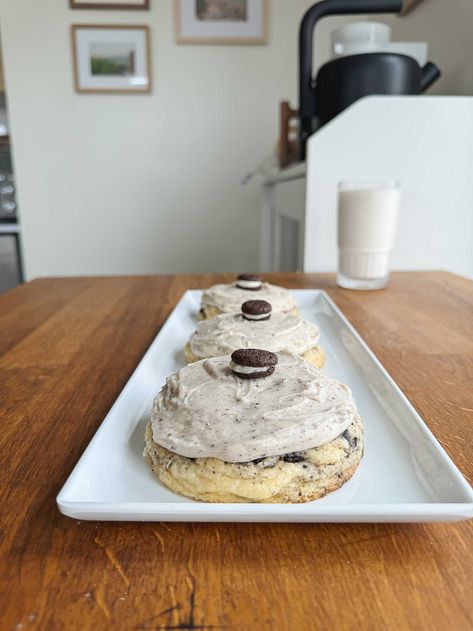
[{"x": 306, "y": 30}]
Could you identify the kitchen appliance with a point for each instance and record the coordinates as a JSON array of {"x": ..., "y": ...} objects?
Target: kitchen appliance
[
  {"x": 7, "y": 197},
  {"x": 345, "y": 79},
  {"x": 8, "y": 205}
]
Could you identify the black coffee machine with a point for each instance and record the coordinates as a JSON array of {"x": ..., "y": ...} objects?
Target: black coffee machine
[{"x": 342, "y": 81}]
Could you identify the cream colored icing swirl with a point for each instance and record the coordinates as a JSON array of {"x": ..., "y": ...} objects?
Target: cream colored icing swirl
[
  {"x": 227, "y": 332},
  {"x": 204, "y": 410},
  {"x": 228, "y": 298}
]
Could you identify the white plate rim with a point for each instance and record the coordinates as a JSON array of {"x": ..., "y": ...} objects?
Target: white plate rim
[{"x": 428, "y": 511}]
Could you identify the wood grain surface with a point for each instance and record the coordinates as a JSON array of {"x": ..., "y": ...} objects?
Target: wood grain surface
[{"x": 67, "y": 348}]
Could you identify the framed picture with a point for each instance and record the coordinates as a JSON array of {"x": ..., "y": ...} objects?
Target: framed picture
[
  {"x": 408, "y": 5},
  {"x": 111, "y": 58},
  {"x": 109, "y": 4},
  {"x": 221, "y": 21}
]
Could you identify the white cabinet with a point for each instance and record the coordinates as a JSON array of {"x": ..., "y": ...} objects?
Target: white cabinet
[
  {"x": 283, "y": 221},
  {"x": 423, "y": 142}
]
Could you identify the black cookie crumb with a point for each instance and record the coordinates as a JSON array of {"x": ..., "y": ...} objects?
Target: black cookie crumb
[
  {"x": 352, "y": 440},
  {"x": 295, "y": 456}
]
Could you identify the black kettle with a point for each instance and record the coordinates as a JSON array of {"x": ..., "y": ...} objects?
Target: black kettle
[{"x": 344, "y": 80}]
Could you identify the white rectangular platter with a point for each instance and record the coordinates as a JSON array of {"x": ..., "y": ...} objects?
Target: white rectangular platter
[{"x": 405, "y": 475}]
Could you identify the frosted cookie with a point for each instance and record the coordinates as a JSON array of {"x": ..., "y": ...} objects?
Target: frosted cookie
[
  {"x": 256, "y": 326},
  {"x": 227, "y": 298},
  {"x": 287, "y": 433}
]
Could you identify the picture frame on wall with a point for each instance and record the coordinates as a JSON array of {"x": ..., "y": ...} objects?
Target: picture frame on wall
[
  {"x": 109, "y": 4},
  {"x": 221, "y": 21},
  {"x": 111, "y": 58},
  {"x": 409, "y": 5}
]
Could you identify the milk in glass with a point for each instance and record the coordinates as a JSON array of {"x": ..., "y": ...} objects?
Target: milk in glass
[{"x": 367, "y": 221}]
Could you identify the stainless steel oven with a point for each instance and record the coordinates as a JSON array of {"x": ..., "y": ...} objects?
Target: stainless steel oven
[{"x": 8, "y": 204}]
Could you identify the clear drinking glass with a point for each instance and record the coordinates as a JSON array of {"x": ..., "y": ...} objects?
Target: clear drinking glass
[{"x": 367, "y": 222}]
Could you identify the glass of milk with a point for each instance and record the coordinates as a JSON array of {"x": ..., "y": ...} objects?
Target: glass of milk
[{"x": 367, "y": 221}]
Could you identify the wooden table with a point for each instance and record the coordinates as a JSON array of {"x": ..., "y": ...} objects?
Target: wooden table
[{"x": 67, "y": 348}]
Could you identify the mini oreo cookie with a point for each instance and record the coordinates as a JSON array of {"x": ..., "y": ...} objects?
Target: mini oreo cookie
[
  {"x": 249, "y": 281},
  {"x": 256, "y": 310},
  {"x": 253, "y": 363}
]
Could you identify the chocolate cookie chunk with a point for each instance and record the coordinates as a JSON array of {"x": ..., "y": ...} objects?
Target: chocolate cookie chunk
[
  {"x": 253, "y": 363},
  {"x": 256, "y": 310},
  {"x": 249, "y": 281},
  {"x": 295, "y": 456}
]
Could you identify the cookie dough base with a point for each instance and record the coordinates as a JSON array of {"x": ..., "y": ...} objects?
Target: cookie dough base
[
  {"x": 270, "y": 480},
  {"x": 206, "y": 312},
  {"x": 314, "y": 356}
]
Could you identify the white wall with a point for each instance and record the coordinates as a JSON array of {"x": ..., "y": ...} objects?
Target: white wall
[
  {"x": 425, "y": 143},
  {"x": 134, "y": 183}
]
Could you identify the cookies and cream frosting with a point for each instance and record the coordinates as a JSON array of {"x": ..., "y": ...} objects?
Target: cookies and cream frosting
[
  {"x": 226, "y": 332},
  {"x": 228, "y": 298},
  {"x": 204, "y": 410}
]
